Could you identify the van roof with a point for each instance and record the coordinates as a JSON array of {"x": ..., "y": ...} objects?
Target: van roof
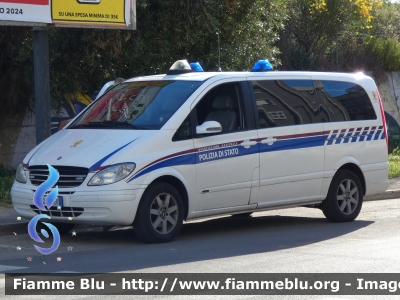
[{"x": 202, "y": 76}]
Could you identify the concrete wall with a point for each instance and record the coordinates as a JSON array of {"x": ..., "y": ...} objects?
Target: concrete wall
[
  {"x": 389, "y": 88},
  {"x": 18, "y": 136}
]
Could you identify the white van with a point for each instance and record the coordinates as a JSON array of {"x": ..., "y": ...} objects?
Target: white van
[{"x": 157, "y": 150}]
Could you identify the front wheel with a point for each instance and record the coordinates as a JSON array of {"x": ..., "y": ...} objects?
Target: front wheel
[
  {"x": 159, "y": 216},
  {"x": 345, "y": 197}
]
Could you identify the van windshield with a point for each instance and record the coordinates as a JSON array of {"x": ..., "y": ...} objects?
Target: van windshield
[{"x": 137, "y": 105}]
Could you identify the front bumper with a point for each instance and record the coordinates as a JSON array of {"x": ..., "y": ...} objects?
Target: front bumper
[{"x": 105, "y": 207}]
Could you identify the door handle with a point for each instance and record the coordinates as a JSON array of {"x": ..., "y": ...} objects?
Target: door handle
[
  {"x": 247, "y": 143},
  {"x": 269, "y": 141}
]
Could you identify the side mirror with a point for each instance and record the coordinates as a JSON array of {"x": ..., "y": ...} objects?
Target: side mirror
[{"x": 209, "y": 127}]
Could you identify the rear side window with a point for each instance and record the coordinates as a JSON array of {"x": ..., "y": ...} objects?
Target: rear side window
[
  {"x": 286, "y": 102},
  {"x": 343, "y": 101}
]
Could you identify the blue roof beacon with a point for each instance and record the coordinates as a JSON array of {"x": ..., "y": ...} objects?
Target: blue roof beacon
[
  {"x": 263, "y": 65},
  {"x": 196, "y": 67}
]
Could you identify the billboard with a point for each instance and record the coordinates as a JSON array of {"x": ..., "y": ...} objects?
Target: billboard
[
  {"x": 35, "y": 11},
  {"x": 69, "y": 13}
]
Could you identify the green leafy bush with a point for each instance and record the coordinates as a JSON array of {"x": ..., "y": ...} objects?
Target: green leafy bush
[
  {"x": 6, "y": 181},
  {"x": 386, "y": 51},
  {"x": 394, "y": 163},
  {"x": 394, "y": 142},
  {"x": 394, "y": 155}
]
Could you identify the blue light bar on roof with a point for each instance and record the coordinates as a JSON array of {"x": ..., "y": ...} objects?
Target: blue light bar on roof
[
  {"x": 263, "y": 65},
  {"x": 196, "y": 67}
]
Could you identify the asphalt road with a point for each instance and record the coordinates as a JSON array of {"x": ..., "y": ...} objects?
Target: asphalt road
[{"x": 298, "y": 240}]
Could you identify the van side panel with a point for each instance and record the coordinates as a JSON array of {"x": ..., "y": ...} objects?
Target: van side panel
[
  {"x": 291, "y": 141},
  {"x": 353, "y": 130}
]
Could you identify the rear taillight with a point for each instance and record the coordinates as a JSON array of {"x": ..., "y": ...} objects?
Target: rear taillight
[{"x": 383, "y": 117}]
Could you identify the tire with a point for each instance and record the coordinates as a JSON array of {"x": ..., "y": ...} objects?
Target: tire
[
  {"x": 243, "y": 215},
  {"x": 159, "y": 217},
  {"x": 345, "y": 197},
  {"x": 63, "y": 228}
]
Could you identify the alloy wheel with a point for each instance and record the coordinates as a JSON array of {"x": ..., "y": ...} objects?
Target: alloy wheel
[
  {"x": 164, "y": 213},
  {"x": 347, "y": 196}
]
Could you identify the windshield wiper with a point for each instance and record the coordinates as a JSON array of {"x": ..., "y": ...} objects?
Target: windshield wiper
[{"x": 107, "y": 124}]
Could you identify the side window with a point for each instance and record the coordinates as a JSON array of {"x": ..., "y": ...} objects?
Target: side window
[
  {"x": 285, "y": 102},
  {"x": 184, "y": 131},
  {"x": 224, "y": 105},
  {"x": 343, "y": 101}
]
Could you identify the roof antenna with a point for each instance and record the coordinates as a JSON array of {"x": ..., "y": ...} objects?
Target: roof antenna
[{"x": 219, "y": 55}]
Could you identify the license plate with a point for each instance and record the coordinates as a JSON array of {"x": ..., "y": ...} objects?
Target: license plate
[{"x": 58, "y": 202}]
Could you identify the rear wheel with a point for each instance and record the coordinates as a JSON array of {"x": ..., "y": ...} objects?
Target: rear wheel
[
  {"x": 159, "y": 216},
  {"x": 345, "y": 197}
]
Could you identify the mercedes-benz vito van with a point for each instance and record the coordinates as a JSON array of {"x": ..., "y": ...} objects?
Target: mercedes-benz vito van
[{"x": 154, "y": 151}]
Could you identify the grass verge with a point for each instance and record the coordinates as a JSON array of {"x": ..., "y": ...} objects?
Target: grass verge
[{"x": 394, "y": 165}]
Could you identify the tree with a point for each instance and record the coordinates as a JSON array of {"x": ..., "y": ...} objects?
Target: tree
[
  {"x": 314, "y": 36},
  {"x": 84, "y": 59},
  {"x": 383, "y": 41},
  {"x": 15, "y": 69}
]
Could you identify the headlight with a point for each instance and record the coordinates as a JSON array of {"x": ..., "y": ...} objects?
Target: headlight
[
  {"x": 20, "y": 174},
  {"x": 112, "y": 174}
]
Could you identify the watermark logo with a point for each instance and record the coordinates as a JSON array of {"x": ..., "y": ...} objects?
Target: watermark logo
[{"x": 38, "y": 198}]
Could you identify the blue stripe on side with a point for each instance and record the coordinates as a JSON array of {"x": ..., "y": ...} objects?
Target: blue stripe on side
[
  {"x": 332, "y": 139},
  {"x": 383, "y": 136},
  {"x": 230, "y": 152},
  {"x": 371, "y": 134},
  {"x": 98, "y": 164},
  {"x": 188, "y": 159},
  {"x": 347, "y": 138},
  {"x": 198, "y": 158},
  {"x": 378, "y": 133},
  {"x": 363, "y": 136},
  {"x": 326, "y": 137},
  {"x": 354, "y": 138},
  {"x": 339, "y": 139},
  {"x": 314, "y": 141}
]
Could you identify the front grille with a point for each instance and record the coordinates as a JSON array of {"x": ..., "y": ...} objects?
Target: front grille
[
  {"x": 63, "y": 212},
  {"x": 61, "y": 193},
  {"x": 69, "y": 176}
]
